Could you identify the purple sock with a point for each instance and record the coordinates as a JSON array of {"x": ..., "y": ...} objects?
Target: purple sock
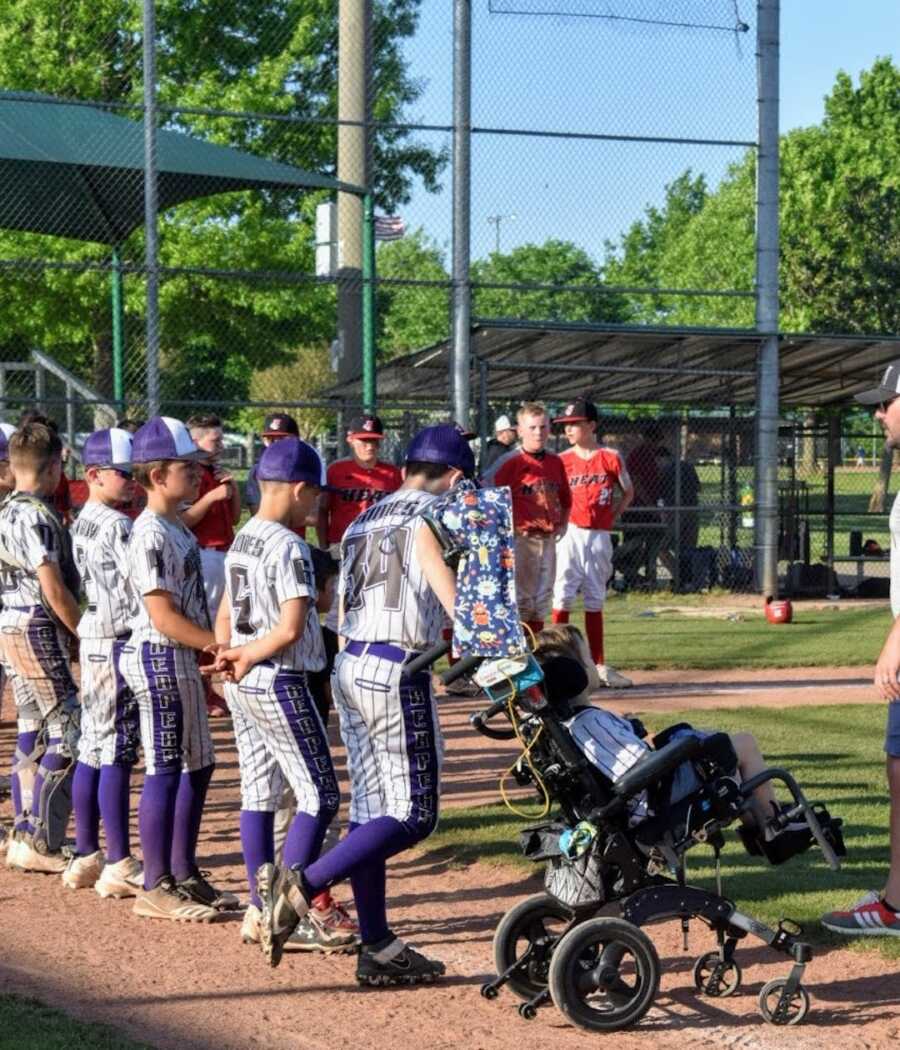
[
  {"x": 369, "y": 882},
  {"x": 87, "y": 809},
  {"x": 375, "y": 840},
  {"x": 156, "y": 818},
  {"x": 115, "y": 809},
  {"x": 188, "y": 814},
  {"x": 304, "y": 839},
  {"x": 24, "y": 746},
  {"x": 258, "y": 845}
]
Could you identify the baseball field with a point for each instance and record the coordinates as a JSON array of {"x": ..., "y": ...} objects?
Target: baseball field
[{"x": 102, "y": 978}]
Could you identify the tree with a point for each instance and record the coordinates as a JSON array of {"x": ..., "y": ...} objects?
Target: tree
[
  {"x": 412, "y": 316},
  {"x": 278, "y": 58},
  {"x": 554, "y": 262},
  {"x": 636, "y": 262}
]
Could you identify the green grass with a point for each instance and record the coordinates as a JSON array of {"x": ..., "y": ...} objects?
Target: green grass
[
  {"x": 817, "y": 638},
  {"x": 836, "y": 755},
  {"x": 26, "y": 1024}
]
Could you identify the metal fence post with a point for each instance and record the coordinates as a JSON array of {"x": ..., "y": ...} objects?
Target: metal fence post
[
  {"x": 151, "y": 208},
  {"x": 117, "y": 336},
  {"x": 462, "y": 202},
  {"x": 368, "y": 303},
  {"x": 767, "y": 231}
]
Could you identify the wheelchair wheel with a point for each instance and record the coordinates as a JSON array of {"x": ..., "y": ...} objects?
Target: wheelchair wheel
[
  {"x": 536, "y": 925},
  {"x": 770, "y": 997},
  {"x": 604, "y": 975},
  {"x": 714, "y": 978}
]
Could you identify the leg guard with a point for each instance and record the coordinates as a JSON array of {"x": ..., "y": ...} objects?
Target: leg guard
[
  {"x": 53, "y": 784},
  {"x": 24, "y": 773}
]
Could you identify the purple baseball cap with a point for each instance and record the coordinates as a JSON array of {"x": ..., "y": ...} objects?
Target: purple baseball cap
[
  {"x": 442, "y": 444},
  {"x": 108, "y": 448},
  {"x": 164, "y": 438},
  {"x": 292, "y": 460},
  {"x": 6, "y": 432}
]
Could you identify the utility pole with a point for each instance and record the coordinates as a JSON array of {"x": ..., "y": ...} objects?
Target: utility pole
[
  {"x": 353, "y": 167},
  {"x": 495, "y": 221}
]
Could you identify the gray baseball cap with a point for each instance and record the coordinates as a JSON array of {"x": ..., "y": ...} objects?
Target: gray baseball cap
[{"x": 887, "y": 390}]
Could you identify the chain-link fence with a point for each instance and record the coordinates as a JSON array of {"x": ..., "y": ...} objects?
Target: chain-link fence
[{"x": 613, "y": 166}]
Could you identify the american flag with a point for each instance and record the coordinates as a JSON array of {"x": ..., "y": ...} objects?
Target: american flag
[{"x": 389, "y": 227}]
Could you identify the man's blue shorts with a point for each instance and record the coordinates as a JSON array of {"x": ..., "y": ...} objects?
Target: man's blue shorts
[{"x": 892, "y": 737}]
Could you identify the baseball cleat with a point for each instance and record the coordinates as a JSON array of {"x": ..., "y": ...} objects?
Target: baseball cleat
[
  {"x": 314, "y": 935},
  {"x": 199, "y": 889},
  {"x": 284, "y": 903},
  {"x": 868, "y": 918},
  {"x": 82, "y": 872},
  {"x": 396, "y": 964},
  {"x": 5, "y": 839},
  {"x": 28, "y": 858},
  {"x": 125, "y": 878},
  {"x": 166, "y": 901},
  {"x": 334, "y": 915},
  {"x": 250, "y": 925},
  {"x": 13, "y": 847},
  {"x": 612, "y": 679}
]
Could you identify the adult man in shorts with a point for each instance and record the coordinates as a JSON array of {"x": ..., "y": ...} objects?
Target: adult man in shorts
[{"x": 878, "y": 914}]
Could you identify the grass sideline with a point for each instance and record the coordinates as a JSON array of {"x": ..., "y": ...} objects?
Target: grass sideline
[
  {"x": 27, "y": 1022},
  {"x": 817, "y": 638},
  {"x": 837, "y": 757}
]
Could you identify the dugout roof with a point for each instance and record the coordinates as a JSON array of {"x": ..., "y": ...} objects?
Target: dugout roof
[
  {"x": 642, "y": 365},
  {"x": 73, "y": 170}
]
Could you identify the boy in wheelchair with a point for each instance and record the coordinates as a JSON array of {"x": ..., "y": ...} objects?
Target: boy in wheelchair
[{"x": 614, "y": 745}]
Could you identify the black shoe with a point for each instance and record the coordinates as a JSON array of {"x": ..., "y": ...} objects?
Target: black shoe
[
  {"x": 198, "y": 889},
  {"x": 284, "y": 903},
  {"x": 396, "y": 964}
]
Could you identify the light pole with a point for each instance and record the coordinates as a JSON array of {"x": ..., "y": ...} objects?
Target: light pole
[{"x": 495, "y": 221}]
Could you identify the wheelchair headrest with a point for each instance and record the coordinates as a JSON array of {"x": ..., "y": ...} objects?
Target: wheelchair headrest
[{"x": 564, "y": 679}]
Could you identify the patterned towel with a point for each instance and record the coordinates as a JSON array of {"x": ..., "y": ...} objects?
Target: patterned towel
[{"x": 479, "y": 521}]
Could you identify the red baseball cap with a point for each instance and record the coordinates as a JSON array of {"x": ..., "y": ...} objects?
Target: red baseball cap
[{"x": 366, "y": 428}]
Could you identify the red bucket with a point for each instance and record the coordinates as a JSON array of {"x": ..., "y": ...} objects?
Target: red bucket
[{"x": 779, "y": 611}]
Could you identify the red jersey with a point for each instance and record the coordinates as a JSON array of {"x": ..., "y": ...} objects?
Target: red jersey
[
  {"x": 593, "y": 483},
  {"x": 62, "y": 500},
  {"x": 540, "y": 489},
  {"x": 215, "y": 530},
  {"x": 359, "y": 488},
  {"x": 642, "y": 467}
]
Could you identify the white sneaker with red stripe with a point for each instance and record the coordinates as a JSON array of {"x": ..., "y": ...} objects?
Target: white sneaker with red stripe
[{"x": 866, "y": 918}]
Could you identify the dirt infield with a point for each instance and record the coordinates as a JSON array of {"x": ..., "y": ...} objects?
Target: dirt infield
[{"x": 197, "y": 986}]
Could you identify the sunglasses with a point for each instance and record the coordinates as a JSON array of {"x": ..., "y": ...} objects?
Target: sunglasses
[{"x": 883, "y": 406}]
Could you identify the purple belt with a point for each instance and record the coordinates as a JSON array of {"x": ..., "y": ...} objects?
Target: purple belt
[{"x": 383, "y": 650}]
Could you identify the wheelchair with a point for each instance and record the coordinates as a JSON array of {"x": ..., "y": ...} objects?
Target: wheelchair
[{"x": 582, "y": 944}]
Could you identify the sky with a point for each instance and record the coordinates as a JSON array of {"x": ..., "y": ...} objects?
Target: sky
[{"x": 592, "y": 76}]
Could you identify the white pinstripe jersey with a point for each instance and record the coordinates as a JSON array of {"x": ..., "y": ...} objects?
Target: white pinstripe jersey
[
  {"x": 268, "y": 565},
  {"x": 385, "y": 595},
  {"x": 163, "y": 555},
  {"x": 30, "y": 537},
  {"x": 100, "y": 544}
]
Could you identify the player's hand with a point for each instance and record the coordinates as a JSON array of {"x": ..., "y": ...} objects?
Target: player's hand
[
  {"x": 888, "y": 668},
  {"x": 222, "y": 491},
  {"x": 234, "y": 663}
]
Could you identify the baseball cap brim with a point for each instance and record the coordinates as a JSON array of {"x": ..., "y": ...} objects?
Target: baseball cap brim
[
  {"x": 365, "y": 435},
  {"x": 573, "y": 419},
  {"x": 876, "y": 395}
]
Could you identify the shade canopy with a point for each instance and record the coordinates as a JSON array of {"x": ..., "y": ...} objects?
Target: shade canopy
[
  {"x": 77, "y": 171},
  {"x": 626, "y": 364}
]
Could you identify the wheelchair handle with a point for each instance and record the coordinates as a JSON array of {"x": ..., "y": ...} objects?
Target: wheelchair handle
[
  {"x": 479, "y": 721},
  {"x": 463, "y": 666},
  {"x": 427, "y": 658}
]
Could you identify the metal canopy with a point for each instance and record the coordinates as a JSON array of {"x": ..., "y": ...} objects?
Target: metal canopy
[
  {"x": 618, "y": 363},
  {"x": 77, "y": 171}
]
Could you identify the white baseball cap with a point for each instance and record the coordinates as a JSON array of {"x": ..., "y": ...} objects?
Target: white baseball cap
[{"x": 503, "y": 423}]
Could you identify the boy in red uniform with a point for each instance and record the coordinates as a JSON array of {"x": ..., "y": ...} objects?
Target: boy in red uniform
[
  {"x": 541, "y": 502},
  {"x": 212, "y": 518},
  {"x": 601, "y": 490},
  {"x": 360, "y": 480}
]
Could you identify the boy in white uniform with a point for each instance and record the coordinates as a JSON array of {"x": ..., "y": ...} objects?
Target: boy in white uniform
[{"x": 110, "y": 731}]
